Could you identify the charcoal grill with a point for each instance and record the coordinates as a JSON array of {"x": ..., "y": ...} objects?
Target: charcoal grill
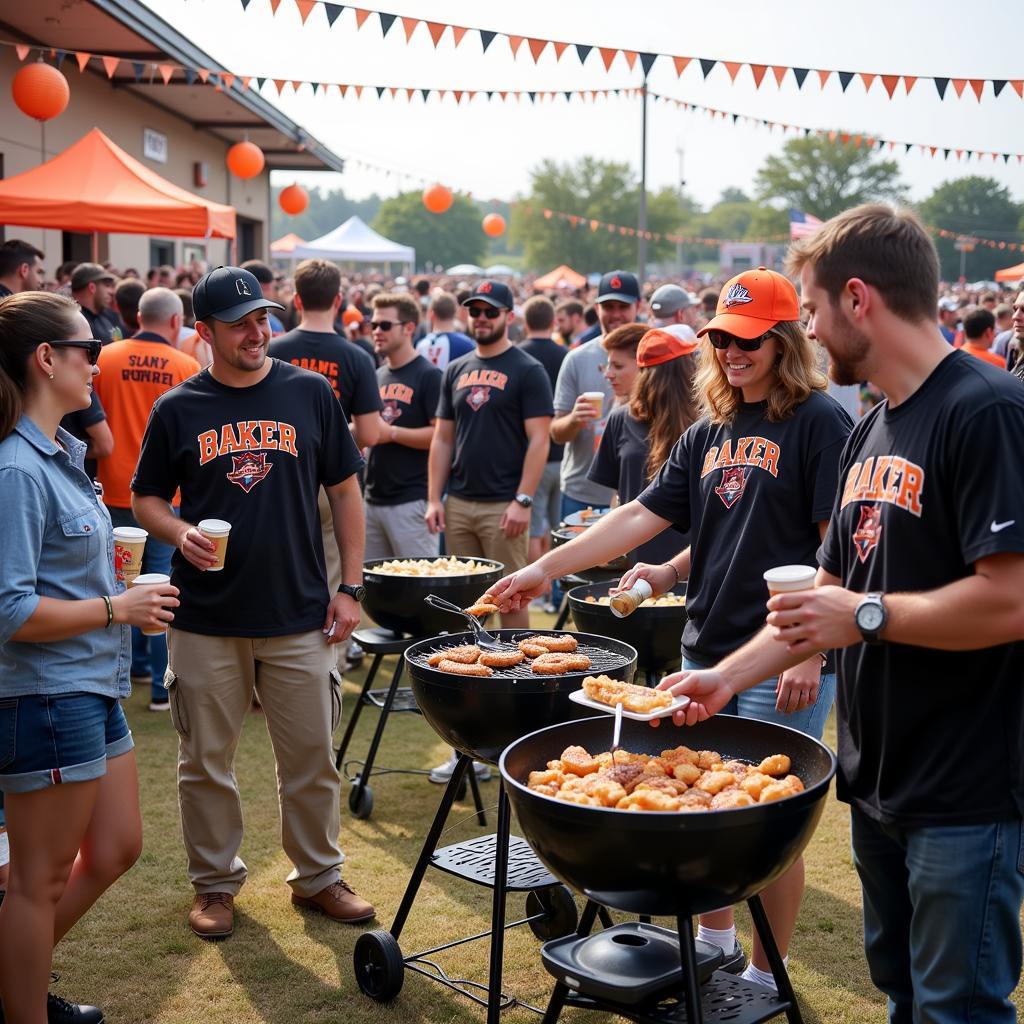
[
  {"x": 480, "y": 717},
  {"x": 671, "y": 863}
]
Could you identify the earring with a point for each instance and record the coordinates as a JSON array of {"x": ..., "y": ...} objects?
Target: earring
[{"x": 51, "y": 376}]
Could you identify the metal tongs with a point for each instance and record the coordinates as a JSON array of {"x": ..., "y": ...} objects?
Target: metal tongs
[
  {"x": 616, "y": 731},
  {"x": 481, "y": 637}
]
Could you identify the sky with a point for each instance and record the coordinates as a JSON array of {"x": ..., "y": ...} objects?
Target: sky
[{"x": 488, "y": 148}]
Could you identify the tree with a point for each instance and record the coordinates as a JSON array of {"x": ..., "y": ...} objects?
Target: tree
[
  {"x": 733, "y": 195},
  {"x": 454, "y": 236},
  {"x": 591, "y": 191},
  {"x": 327, "y": 209},
  {"x": 818, "y": 176},
  {"x": 972, "y": 206}
]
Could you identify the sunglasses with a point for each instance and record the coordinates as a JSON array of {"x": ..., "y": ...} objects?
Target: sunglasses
[
  {"x": 386, "y": 325},
  {"x": 491, "y": 312},
  {"x": 92, "y": 347},
  {"x": 722, "y": 340}
]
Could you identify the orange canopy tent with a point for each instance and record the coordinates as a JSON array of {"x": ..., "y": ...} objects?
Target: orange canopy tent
[
  {"x": 96, "y": 186},
  {"x": 1011, "y": 273},
  {"x": 561, "y": 277},
  {"x": 286, "y": 246}
]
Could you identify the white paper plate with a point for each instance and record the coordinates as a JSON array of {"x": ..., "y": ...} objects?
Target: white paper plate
[{"x": 580, "y": 697}]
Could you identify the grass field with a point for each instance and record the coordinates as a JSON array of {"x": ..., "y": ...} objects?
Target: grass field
[{"x": 134, "y": 955}]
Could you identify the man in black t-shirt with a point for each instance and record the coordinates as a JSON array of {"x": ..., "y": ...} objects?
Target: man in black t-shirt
[
  {"x": 92, "y": 287},
  {"x": 490, "y": 441},
  {"x": 251, "y": 440},
  {"x": 396, "y": 471},
  {"x": 919, "y": 589}
]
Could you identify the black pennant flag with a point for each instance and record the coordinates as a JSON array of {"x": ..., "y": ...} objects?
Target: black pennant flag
[
  {"x": 583, "y": 52},
  {"x": 807, "y": 131},
  {"x": 380, "y": 91},
  {"x": 735, "y": 118},
  {"x": 190, "y": 76},
  {"x": 907, "y": 146},
  {"x": 970, "y": 153},
  {"x": 489, "y": 94},
  {"x": 386, "y": 21},
  {"x": 845, "y": 78},
  {"x": 245, "y": 4},
  {"x": 945, "y": 154},
  {"x": 568, "y": 95},
  {"x": 707, "y": 65},
  {"x": 941, "y": 84},
  {"x": 486, "y": 38},
  {"x": 425, "y": 93},
  {"x": 332, "y": 11},
  {"x": 647, "y": 61},
  {"x": 533, "y": 97},
  {"x": 1006, "y": 158},
  {"x": 259, "y": 81},
  {"x": 800, "y": 74},
  {"x": 998, "y": 85},
  {"x": 62, "y": 55}
]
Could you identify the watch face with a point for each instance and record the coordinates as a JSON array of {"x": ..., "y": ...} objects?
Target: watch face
[{"x": 870, "y": 617}]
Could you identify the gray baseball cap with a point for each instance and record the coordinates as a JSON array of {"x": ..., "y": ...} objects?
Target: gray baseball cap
[{"x": 669, "y": 299}]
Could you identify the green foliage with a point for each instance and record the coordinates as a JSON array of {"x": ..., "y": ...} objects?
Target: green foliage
[
  {"x": 327, "y": 209},
  {"x": 733, "y": 195},
  {"x": 823, "y": 178},
  {"x": 446, "y": 238},
  {"x": 973, "y": 206}
]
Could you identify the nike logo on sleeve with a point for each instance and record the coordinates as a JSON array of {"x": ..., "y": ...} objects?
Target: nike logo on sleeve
[{"x": 996, "y": 527}]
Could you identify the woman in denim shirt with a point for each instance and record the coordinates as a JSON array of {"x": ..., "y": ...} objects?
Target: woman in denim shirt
[{"x": 67, "y": 765}]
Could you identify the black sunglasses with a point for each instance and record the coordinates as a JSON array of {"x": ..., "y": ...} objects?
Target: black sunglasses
[
  {"x": 491, "y": 312},
  {"x": 722, "y": 340},
  {"x": 386, "y": 325},
  {"x": 92, "y": 347}
]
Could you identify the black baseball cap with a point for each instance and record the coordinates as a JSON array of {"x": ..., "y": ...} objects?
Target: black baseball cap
[
  {"x": 228, "y": 294},
  {"x": 619, "y": 286},
  {"x": 494, "y": 292}
]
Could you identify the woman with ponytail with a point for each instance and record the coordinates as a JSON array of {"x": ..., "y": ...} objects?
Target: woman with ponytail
[{"x": 67, "y": 765}]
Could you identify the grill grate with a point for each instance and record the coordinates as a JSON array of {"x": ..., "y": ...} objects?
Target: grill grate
[
  {"x": 601, "y": 660},
  {"x": 474, "y": 860}
]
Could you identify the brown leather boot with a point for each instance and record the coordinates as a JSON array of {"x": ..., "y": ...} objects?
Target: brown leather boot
[
  {"x": 212, "y": 915},
  {"x": 339, "y": 902}
]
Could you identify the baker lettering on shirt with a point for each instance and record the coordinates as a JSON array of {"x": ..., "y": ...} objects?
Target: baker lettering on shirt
[
  {"x": 147, "y": 370},
  {"x": 397, "y": 393},
  {"x": 482, "y": 379},
  {"x": 887, "y": 478},
  {"x": 244, "y": 436},
  {"x": 750, "y": 451},
  {"x": 325, "y": 367}
]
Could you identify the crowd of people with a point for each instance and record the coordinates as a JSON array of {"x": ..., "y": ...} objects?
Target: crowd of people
[{"x": 328, "y": 419}]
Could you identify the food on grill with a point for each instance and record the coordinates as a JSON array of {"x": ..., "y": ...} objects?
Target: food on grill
[
  {"x": 532, "y": 650},
  {"x": 448, "y": 566},
  {"x": 679, "y": 779},
  {"x": 465, "y": 655},
  {"x": 501, "y": 659},
  {"x": 563, "y": 644},
  {"x": 460, "y": 668},
  {"x": 589, "y": 513},
  {"x": 638, "y": 699},
  {"x": 556, "y": 664},
  {"x": 481, "y": 608},
  {"x": 664, "y": 601}
]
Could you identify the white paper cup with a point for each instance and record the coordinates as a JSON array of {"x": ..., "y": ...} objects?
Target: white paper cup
[
  {"x": 787, "y": 579},
  {"x": 151, "y": 579},
  {"x": 595, "y": 398},
  {"x": 216, "y": 530},
  {"x": 129, "y": 544}
]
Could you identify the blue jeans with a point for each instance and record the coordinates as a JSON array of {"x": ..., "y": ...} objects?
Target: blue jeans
[
  {"x": 759, "y": 702},
  {"x": 149, "y": 653},
  {"x": 942, "y": 917}
]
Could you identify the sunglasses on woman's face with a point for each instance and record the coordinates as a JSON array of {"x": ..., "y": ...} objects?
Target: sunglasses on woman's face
[
  {"x": 92, "y": 347},
  {"x": 722, "y": 340},
  {"x": 491, "y": 312}
]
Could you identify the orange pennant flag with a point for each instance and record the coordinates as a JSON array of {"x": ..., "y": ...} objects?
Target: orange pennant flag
[
  {"x": 457, "y": 33},
  {"x": 392, "y": 90},
  {"x": 409, "y": 24},
  {"x": 503, "y": 95},
  {"x": 933, "y": 149},
  {"x": 1018, "y": 86},
  {"x": 274, "y": 4},
  {"x": 361, "y": 16},
  {"x": 681, "y": 62},
  {"x": 536, "y": 47},
  {"x": 867, "y": 78},
  {"x": 436, "y": 31},
  {"x": 594, "y": 225},
  {"x": 733, "y": 68},
  {"x": 227, "y": 80},
  {"x": 295, "y": 85},
  {"x": 977, "y": 84},
  {"x": 204, "y": 74},
  {"x": 780, "y": 74},
  {"x": 758, "y": 71},
  {"x": 246, "y": 80},
  {"x": 560, "y": 48},
  {"x": 890, "y": 82},
  {"x": 408, "y": 94},
  {"x": 83, "y": 59},
  {"x": 358, "y": 90},
  {"x": 845, "y": 136},
  {"x": 110, "y": 65},
  {"x": 457, "y": 93},
  {"x": 165, "y": 72},
  {"x": 630, "y": 56},
  {"x": 856, "y": 141},
  {"x": 959, "y": 84},
  {"x": 959, "y": 153},
  {"x": 909, "y": 81},
  {"x": 514, "y": 42},
  {"x": 280, "y": 83},
  {"x": 21, "y": 51},
  {"x": 305, "y": 8},
  {"x": 823, "y": 77},
  {"x": 343, "y": 89},
  {"x": 607, "y": 55}
]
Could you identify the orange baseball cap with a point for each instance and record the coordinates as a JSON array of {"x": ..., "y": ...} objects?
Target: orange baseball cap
[
  {"x": 754, "y": 302},
  {"x": 661, "y": 346},
  {"x": 352, "y": 315}
]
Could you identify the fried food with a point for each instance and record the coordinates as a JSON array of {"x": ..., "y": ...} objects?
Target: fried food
[
  {"x": 686, "y": 772},
  {"x": 664, "y": 601},
  {"x": 715, "y": 782},
  {"x": 557, "y": 664},
  {"x": 578, "y": 761},
  {"x": 501, "y": 659},
  {"x": 532, "y": 650},
  {"x": 626, "y": 775},
  {"x": 648, "y": 800},
  {"x": 662, "y": 783},
  {"x": 460, "y": 668},
  {"x": 563, "y": 644},
  {"x": 708, "y": 759},
  {"x": 638, "y": 699},
  {"x": 789, "y": 786},
  {"x": 775, "y": 764},
  {"x": 575, "y": 796},
  {"x": 467, "y": 654},
  {"x": 730, "y": 799},
  {"x": 481, "y": 608},
  {"x": 444, "y": 566}
]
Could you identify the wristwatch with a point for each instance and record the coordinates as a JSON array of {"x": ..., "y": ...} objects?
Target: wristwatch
[
  {"x": 357, "y": 593},
  {"x": 524, "y": 499},
  {"x": 871, "y": 618}
]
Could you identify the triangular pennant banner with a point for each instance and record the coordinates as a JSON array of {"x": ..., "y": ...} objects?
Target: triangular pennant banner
[
  {"x": 941, "y": 84},
  {"x": 560, "y": 48},
  {"x": 486, "y": 38},
  {"x": 425, "y": 93},
  {"x": 536, "y": 48},
  {"x": 245, "y": 4},
  {"x": 706, "y": 65},
  {"x": 138, "y": 69},
  {"x": 332, "y": 11},
  {"x": 998, "y": 85},
  {"x": 165, "y": 72},
  {"x": 945, "y": 154},
  {"x": 780, "y": 74},
  {"x": 568, "y": 95},
  {"x": 62, "y": 55},
  {"x": 909, "y": 81},
  {"x": 823, "y": 77},
  {"x": 630, "y": 56},
  {"x": 386, "y": 21},
  {"x": 305, "y": 9},
  {"x": 457, "y": 34},
  {"x": 867, "y": 78},
  {"x": 246, "y": 79},
  {"x": 583, "y": 52},
  {"x": 279, "y": 84},
  {"x": 227, "y": 80},
  {"x": 436, "y": 30},
  {"x": 977, "y": 84},
  {"x": 533, "y": 96},
  {"x": 361, "y": 16},
  {"x": 110, "y": 65},
  {"x": 733, "y": 68},
  {"x": 203, "y": 75},
  {"x": 409, "y": 24},
  {"x": 83, "y": 59},
  {"x": 380, "y": 91},
  {"x": 959, "y": 84},
  {"x": 800, "y": 74},
  {"x": 274, "y": 4},
  {"x": 1018, "y": 86},
  {"x": 890, "y": 82},
  {"x": 758, "y": 71},
  {"x": 514, "y": 42},
  {"x": 845, "y": 78},
  {"x": 607, "y": 55},
  {"x": 260, "y": 82}
]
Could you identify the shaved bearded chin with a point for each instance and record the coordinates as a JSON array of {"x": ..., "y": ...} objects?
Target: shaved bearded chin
[{"x": 848, "y": 351}]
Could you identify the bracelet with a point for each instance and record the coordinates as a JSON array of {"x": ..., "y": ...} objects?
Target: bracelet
[
  {"x": 824, "y": 658},
  {"x": 676, "y": 571},
  {"x": 110, "y": 612}
]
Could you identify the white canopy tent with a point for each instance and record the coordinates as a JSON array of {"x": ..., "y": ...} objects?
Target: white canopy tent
[{"x": 355, "y": 242}]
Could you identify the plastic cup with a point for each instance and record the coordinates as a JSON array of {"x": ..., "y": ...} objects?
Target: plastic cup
[
  {"x": 216, "y": 530},
  {"x": 129, "y": 544},
  {"x": 595, "y": 398},
  {"x": 787, "y": 579},
  {"x": 151, "y": 579}
]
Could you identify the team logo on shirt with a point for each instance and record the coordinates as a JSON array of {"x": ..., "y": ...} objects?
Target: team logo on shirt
[
  {"x": 730, "y": 490},
  {"x": 249, "y": 469},
  {"x": 478, "y": 397},
  {"x": 868, "y": 531},
  {"x": 390, "y": 412}
]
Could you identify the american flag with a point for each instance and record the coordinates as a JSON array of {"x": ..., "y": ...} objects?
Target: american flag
[{"x": 802, "y": 224}]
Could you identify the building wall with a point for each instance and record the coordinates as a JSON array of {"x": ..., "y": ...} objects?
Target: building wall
[{"x": 122, "y": 116}]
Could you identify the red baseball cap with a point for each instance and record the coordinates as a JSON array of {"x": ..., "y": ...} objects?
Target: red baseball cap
[
  {"x": 754, "y": 302},
  {"x": 661, "y": 346}
]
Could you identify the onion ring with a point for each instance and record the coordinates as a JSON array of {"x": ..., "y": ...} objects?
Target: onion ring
[
  {"x": 563, "y": 644},
  {"x": 467, "y": 654},
  {"x": 553, "y": 664},
  {"x": 532, "y": 650},
  {"x": 458, "y": 668},
  {"x": 501, "y": 659}
]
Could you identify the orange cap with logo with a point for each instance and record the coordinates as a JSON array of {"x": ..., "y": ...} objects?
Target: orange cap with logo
[
  {"x": 753, "y": 302},
  {"x": 352, "y": 315}
]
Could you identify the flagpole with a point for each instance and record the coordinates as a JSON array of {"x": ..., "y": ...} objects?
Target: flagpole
[{"x": 642, "y": 213}]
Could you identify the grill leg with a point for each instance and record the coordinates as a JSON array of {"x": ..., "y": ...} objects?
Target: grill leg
[
  {"x": 606, "y": 918},
  {"x": 382, "y": 720},
  {"x": 356, "y": 711},
  {"x": 555, "y": 1004},
  {"x": 430, "y": 843},
  {"x": 563, "y": 612},
  {"x": 771, "y": 951},
  {"x": 477, "y": 802},
  {"x": 587, "y": 918},
  {"x": 498, "y": 906},
  {"x": 691, "y": 984}
]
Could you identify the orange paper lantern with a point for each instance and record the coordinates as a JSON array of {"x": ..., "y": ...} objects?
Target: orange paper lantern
[
  {"x": 40, "y": 91},
  {"x": 245, "y": 160},
  {"x": 437, "y": 198},
  {"x": 293, "y": 199},
  {"x": 494, "y": 225}
]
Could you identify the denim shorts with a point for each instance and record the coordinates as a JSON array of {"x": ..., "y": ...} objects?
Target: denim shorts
[{"x": 53, "y": 738}]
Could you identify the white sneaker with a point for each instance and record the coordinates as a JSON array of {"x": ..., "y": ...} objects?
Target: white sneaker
[
  {"x": 159, "y": 705},
  {"x": 443, "y": 772}
]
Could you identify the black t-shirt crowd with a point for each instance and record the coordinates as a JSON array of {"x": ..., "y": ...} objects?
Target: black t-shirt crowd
[
  {"x": 255, "y": 457},
  {"x": 621, "y": 463},
  {"x": 751, "y": 493},
  {"x": 931, "y": 737},
  {"x": 550, "y": 355},
  {"x": 396, "y": 473},
  {"x": 489, "y": 399}
]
